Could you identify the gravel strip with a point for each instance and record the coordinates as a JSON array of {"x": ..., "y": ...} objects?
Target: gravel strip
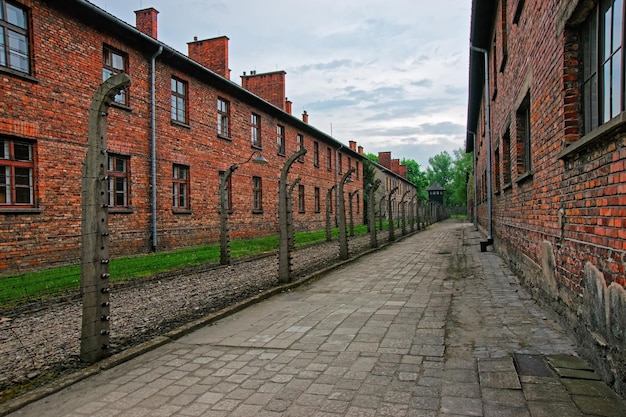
[{"x": 39, "y": 345}]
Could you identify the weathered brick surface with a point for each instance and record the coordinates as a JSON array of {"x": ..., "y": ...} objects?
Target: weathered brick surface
[
  {"x": 573, "y": 201},
  {"x": 51, "y": 108}
]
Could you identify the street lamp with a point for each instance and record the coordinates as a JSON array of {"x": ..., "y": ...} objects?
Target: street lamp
[
  {"x": 343, "y": 239},
  {"x": 224, "y": 240}
]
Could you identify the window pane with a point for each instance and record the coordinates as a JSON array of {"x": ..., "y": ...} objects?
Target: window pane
[
  {"x": 117, "y": 61},
  {"x": 22, "y": 176},
  {"x": 16, "y": 16},
  {"x": 617, "y": 24},
  {"x": 5, "y": 190},
  {"x": 606, "y": 93},
  {"x": 3, "y": 52},
  {"x": 18, "y": 51},
  {"x": 23, "y": 186},
  {"x": 173, "y": 84},
  {"x": 606, "y": 13},
  {"x": 22, "y": 151},
  {"x": 4, "y": 149},
  {"x": 616, "y": 81}
]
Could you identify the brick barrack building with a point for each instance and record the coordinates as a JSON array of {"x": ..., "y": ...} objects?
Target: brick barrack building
[
  {"x": 547, "y": 127},
  {"x": 184, "y": 109}
]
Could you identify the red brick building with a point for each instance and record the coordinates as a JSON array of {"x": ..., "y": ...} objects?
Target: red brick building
[
  {"x": 546, "y": 124},
  {"x": 171, "y": 134}
]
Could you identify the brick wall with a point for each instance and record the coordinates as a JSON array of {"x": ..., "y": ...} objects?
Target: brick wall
[
  {"x": 51, "y": 109},
  {"x": 565, "y": 216}
]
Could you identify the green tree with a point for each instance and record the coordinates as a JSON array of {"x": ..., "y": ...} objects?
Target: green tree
[
  {"x": 461, "y": 171},
  {"x": 440, "y": 170},
  {"x": 416, "y": 176}
]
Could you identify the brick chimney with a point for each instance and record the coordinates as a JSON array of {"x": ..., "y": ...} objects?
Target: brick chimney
[
  {"x": 211, "y": 53},
  {"x": 305, "y": 117},
  {"x": 352, "y": 145},
  {"x": 384, "y": 158},
  {"x": 395, "y": 166},
  {"x": 269, "y": 86},
  {"x": 146, "y": 22},
  {"x": 360, "y": 150},
  {"x": 404, "y": 173},
  {"x": 288, "y": 105}
]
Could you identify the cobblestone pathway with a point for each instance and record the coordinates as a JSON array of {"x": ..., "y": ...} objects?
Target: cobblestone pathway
[{"x": 426, "y": 327}]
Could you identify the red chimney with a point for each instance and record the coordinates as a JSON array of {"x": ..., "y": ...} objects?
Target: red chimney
[
  {"x": 288, "y": 106},
  {"x": 211, "y": 53},
  {"x": 146, "y": 22},
  {"x": 269, "y": 86},
  {"x": 404, "y": 172},
  {"x": 384, "y": 158},
  {"x": 352, "y": 145},
  {"x": 360, "y": 150},
  {"x": 305, "y": 117},
  {"x": 395, "y": 166}
]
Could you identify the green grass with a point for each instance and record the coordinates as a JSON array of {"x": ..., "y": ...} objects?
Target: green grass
[{"x": 52, "y": 282}]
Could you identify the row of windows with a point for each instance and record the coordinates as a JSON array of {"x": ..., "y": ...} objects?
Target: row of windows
[
  {"x": 17, "y": 173},
  {"x": 115, "y": 62}
]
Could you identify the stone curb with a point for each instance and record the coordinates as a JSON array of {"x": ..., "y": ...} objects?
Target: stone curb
[{"x": 15, "y": 404}]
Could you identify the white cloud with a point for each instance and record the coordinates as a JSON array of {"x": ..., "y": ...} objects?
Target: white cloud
[{"x": 391, "y": 75}]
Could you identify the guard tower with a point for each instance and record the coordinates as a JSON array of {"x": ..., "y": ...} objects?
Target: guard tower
[{"x": 435, "y": 193}]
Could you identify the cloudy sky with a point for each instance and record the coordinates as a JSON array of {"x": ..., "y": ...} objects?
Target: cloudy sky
[{"x": 390, "y": 74}]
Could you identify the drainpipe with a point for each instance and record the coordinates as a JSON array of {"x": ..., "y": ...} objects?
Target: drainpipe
[
  {"x": 483, "y": 245},
  {"x": 475, "y": 194},
  {"x": 153, "y": 145}
]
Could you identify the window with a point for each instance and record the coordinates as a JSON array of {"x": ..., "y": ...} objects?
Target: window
[
  {"x": 255, "y": 135},
  {"x": 180, "y": 187},
  {"x": 280, "y": 134},
  {"x": 523, "y": 137},
  {"x": 339, "y": 164},
  {"x": 316, "y": 154},
  {"x": 602, "y": 85},
  {"x": 223, "y": 113},
  {"x": 257, "y": 194},
  {"x": 329, "y": 159},
  {"x": 301, "y": 198},
  {"x": 496, "y": 169},
  {"x": 179, "y": 100},
  {"x": 14, "y": 40},
  {"x": 115, "y": 62},
  {"x": 228, "y": 196},
  {"x": 506, "y": 157},
  {"x": 317, "y": 199},
  {"x": 357, "y": 170},
  {"x": 300, "y": 140},
  {"x": 118, "y": 173},
  {"x": 16, "y": 173}
]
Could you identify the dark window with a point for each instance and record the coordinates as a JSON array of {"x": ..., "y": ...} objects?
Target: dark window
[
  {"x": 14, "y": 53},
  {"x": 301, "y": 198},
  {"x": 179, "y": 100},
  {"x": 329, "y": 159},
  {"x": 114, "y": 62},
  {"x": 180, "y": 187},
  {"x": 317, "y": 199},
  {"x": 524, "y": 161},
  {"x": 223, "y": 113},
  {"x": 357, "y": 170},
  {"x": 506, "y": 157},
  {"x": 602, "y": 80},
  {"x": 280, "y": 135},
  {"x": 496, "y": 169},
  {"x": 300, "y": 140},
  {"x": 339, "y": 164},
  {"x": 118, "y": 173},
  {"x": 255, "y": 130},
  {"x": 316, "y": 154},
  {"x": 257, "y": 194},
  {"x": 17, "y": 172}
]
